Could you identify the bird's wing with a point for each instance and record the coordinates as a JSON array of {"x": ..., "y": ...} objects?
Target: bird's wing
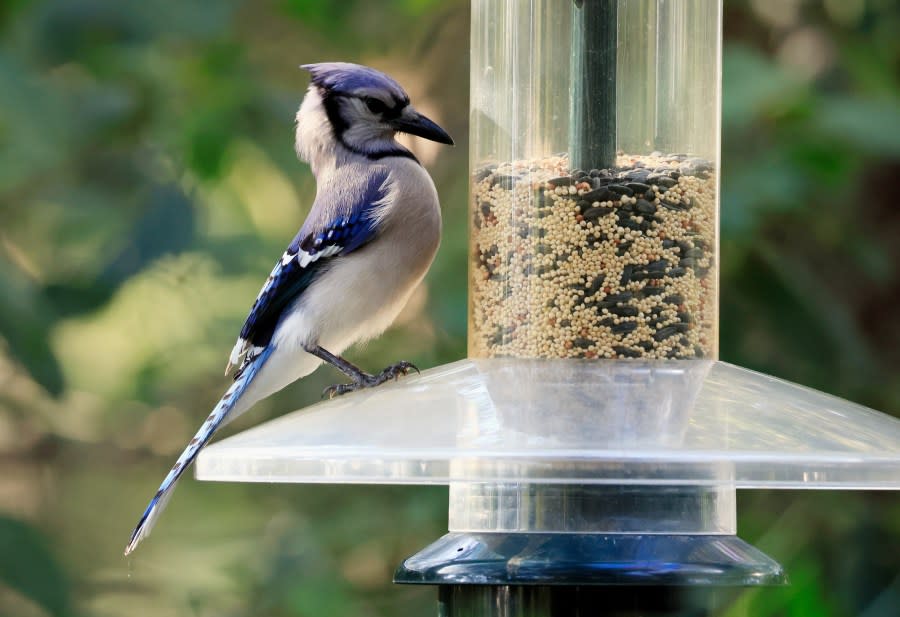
[{"x": 338, "y": 224}]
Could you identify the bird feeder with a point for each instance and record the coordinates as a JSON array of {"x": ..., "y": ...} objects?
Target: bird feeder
[
  {"x": 595, "y": 197},
  {"x": 592, "y": 442}
]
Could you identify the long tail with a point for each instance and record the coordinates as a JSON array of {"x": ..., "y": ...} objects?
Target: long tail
[{"x": 219, "y": 415}]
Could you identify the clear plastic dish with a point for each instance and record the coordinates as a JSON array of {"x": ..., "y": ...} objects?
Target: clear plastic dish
[{"x": 573, "y": 422}]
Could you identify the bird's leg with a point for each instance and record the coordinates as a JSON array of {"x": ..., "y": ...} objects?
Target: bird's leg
[{"x": 361, "y": 379}]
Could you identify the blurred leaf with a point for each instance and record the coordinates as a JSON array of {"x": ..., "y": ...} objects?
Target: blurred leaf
[
  {"x": 871, "y": 258},
  {"x": 24, "y": 320},
  {"x": 165, "y": 227},
  {"x": 322, "y": 595},
  {"x": 752, "y": 86},
  {"x": 69, "y": 28},
  {"x": 886, "y": 603},
  {"x": 822, "y": 161},
  {"x": 208, "y": 141},
  {"x": 95, "y": 32},
  {"x": 321, "y": 14},
  {"x": 869, "y": 126},
  {"x": 873, "y": 69},
  {"x": 76, "y": 297},
  {"x": 806, "y": 595},
  {"x": 416, "y": 8},
  {"x": 27, "y": 566},
  {"x": 35, "y": 120},
  {"x": 766, "y": 327},
  {"x": 835, "y": 328},
  {"x": 8, "y": 9},
  {"x": 759, "y": 187}
]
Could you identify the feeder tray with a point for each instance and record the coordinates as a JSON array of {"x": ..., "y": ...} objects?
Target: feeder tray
[{"x": 576, "y": 472}]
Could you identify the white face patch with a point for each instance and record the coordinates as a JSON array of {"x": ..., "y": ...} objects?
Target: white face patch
[{"x": 313, "y": 134}]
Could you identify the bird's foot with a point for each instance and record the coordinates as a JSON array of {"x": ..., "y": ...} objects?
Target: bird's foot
[{"x": 394, "y": 371}]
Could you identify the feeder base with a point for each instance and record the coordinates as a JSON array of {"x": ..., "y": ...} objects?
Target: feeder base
[
  {"x": 586, "y": 575},
  {"x": 589, "y": 560}
]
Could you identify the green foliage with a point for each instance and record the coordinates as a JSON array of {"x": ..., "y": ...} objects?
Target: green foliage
[
  {"x": 28, "y": 567},
  {"x": 148, "y": 180}
]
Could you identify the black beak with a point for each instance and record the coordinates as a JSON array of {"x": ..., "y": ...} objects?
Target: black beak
[{"x": 414, "y": 123}]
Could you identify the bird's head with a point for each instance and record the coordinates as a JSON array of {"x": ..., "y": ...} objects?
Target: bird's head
[{"x": 363, "y": 109}]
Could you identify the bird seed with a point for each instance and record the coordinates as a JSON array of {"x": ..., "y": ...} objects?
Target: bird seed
[{"x": 605, "y": 263}]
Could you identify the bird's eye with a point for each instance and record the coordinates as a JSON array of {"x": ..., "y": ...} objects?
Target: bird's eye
[{"x": 375, "y": 106}]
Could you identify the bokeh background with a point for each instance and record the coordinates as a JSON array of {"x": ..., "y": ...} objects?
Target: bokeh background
[{"x": 148, "y": 181}]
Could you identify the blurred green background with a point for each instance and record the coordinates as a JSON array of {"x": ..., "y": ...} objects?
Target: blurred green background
[{"x": 148, "y": 181}]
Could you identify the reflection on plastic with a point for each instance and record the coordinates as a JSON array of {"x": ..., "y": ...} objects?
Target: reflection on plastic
[{"x": 591, "y": 422}]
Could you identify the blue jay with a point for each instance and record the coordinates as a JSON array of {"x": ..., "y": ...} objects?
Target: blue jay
[{"x": 370, "y": 236}]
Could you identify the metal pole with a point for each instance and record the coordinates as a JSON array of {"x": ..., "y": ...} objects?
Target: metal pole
[
  {"x": 566, "y": 601},
  {"x": 593, "y": 136}
]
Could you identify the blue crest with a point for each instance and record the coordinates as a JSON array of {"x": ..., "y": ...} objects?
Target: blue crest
[{"x": 347, "y": 78}]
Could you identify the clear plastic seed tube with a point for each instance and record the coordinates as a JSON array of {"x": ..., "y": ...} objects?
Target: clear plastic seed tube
[{"x": 594, "y": 180}]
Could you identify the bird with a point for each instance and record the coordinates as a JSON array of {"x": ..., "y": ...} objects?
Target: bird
[{"x": 371, "y": 235}]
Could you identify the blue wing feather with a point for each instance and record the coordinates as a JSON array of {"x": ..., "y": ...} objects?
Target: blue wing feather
[{"x": 322, "y": 238}]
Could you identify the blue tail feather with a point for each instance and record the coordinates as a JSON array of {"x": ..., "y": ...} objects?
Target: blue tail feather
[{"x": 215, "y": 419}]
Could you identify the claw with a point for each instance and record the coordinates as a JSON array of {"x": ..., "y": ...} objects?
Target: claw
[
  {"x": 336, "y": 390},
  {"x": 401, "y": 368},
  {"x": 370, "y": 381}
]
